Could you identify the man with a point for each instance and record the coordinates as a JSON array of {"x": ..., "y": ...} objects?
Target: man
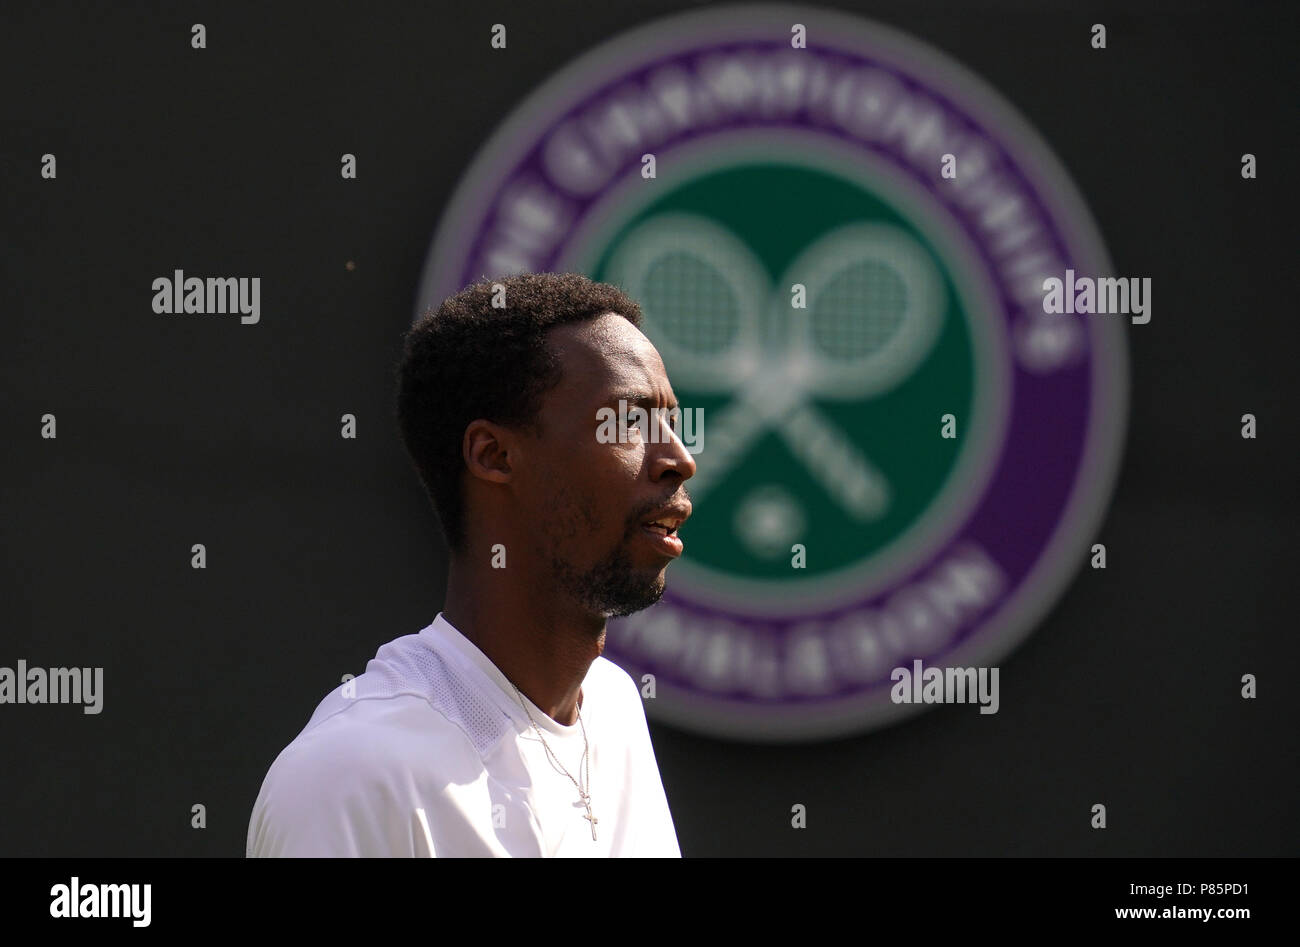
[{"x": 499, "y": 729}]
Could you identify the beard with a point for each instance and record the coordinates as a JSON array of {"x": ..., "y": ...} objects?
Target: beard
[{"x": 612, "y": 587}]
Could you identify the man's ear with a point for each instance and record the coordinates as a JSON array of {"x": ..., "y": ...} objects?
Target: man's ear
[{"x": 487, "y": 448}]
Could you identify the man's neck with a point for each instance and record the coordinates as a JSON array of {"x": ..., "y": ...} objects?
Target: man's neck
[{"x": 544, "y": 647}]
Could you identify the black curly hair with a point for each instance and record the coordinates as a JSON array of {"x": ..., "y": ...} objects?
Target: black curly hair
[{"x": 468, "y": 360}]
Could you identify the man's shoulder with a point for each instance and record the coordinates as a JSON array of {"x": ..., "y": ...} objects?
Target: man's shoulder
[
  {"x": 347, "y": 783},
  {"x": 408, "y": 678},
  {"x": 611, "y": 675},
  {"x": 362, "y": 733},
  {"x": 411, "y": 708},
  {"x": 618, "y": 689}
]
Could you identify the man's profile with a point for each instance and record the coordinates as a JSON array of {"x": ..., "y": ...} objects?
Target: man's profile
[{"x": 499, "y": 729}]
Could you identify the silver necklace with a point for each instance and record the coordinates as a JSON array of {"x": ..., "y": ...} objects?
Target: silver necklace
[{"x": 586, "y": 796}]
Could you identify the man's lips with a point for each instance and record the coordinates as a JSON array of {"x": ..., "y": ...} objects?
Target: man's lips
[
  {"x": 663, "y": 539},
  {"x": 661, "y": 528}
]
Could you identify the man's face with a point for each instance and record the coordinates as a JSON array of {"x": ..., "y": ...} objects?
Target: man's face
[{"x": 587, "y": 499}]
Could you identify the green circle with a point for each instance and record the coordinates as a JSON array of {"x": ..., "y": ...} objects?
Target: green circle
[{"x": 779, "y": 209}]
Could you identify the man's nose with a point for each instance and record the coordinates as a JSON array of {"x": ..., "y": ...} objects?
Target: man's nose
[{"x": 672, "y": 454}]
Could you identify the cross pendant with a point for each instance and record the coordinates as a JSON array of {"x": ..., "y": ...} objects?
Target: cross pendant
[{"x": 590, "y": 817}]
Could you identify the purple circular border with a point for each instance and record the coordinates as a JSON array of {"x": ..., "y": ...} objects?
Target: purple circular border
[{"x": 1041, "y": 405}]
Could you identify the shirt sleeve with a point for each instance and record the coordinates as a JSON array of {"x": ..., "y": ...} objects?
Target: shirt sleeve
[
  {"x": 335, "y": 794},
  {"x": 656, "y": 835}
]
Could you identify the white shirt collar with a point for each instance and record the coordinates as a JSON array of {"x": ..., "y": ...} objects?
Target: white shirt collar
[{"x": 447, "y": 633}]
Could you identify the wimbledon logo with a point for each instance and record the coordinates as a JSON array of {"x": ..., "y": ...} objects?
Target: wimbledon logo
[{"x": 906, "y": 458}]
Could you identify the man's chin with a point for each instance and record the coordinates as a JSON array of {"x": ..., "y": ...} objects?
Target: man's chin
[
  {"x": 615, "y": 586},
  {"x": 629, "y": 608},
  {"x": 630, "y": 600}
]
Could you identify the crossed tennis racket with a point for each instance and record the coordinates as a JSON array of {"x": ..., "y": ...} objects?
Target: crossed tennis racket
[{"x": 874, "y": 300}]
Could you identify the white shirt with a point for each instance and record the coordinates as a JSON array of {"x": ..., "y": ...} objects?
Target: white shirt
[{"x": 430, "y": 753}]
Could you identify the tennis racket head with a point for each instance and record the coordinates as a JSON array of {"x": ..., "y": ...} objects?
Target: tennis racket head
[
  {"x": 875, "y": 306},
  {"x": 701, "y": 292}
]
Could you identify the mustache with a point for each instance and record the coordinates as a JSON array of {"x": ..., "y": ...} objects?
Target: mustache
[{"x": 634, "y": 522}]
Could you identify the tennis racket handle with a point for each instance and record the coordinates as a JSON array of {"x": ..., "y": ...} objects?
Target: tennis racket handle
[
  {"x": 837, "y": 463},
  {"x": 731, "y": 433}
]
